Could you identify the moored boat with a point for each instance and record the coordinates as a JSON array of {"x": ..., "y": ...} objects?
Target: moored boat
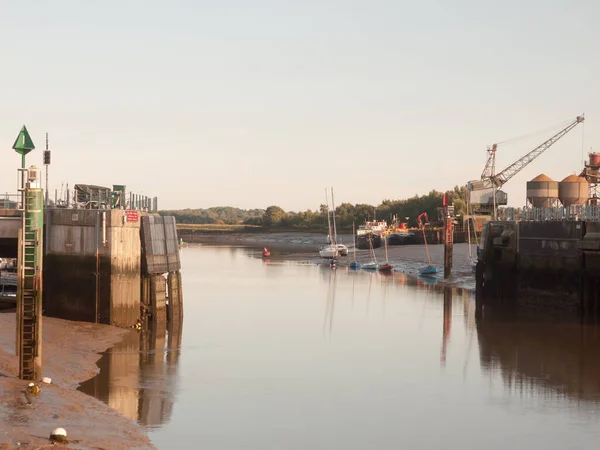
[
  {"x": 362, "y": 241},
  {"x": 370, "y": 233},
  {"x": 266, "y": 252},
  {"x": 385, "y": 267}
]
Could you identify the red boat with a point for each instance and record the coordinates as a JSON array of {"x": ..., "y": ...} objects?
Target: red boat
[
  {"x": 385, "y": 268},
  {"x": 266, "y": 252}
]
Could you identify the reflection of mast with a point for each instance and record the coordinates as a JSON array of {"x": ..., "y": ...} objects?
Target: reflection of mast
[
  {"x": 330, "y": 302},
  {"x": 369, "y": 294},
  {"x": 447, "y": 322}
]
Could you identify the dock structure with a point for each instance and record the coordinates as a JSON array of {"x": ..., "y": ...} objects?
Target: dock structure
[
  {"x": 106, "y": 266},
  {"x": 551, "y": 259}
]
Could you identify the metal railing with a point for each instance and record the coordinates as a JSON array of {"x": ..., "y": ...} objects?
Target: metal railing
[
  {"x": 561, "y": 213},
  {"x": 10, "y": 201}
]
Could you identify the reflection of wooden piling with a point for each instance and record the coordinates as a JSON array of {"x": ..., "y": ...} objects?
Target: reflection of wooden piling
[
  {"x": 175, "y": 295},
  {"x": 175, "y": 332},
  {"x": 152, "y": 401},
  {"x": 447, "y": 322}
]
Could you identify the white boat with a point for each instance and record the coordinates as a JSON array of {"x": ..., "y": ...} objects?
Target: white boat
[
  {"x": 328, "y": 251},
  {"x": 333, "y": 249},
  {"x": 373, "y": 265},
  {"x": 472, "y": 257}
]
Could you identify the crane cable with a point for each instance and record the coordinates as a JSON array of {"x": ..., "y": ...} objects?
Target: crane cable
[
  {"x": 583, "y": 144},
  {"x": 546, "y": 130}
]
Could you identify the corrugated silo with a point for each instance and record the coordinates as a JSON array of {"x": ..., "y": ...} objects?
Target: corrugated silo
[
  {"x": 542, "y": 191},
  {"x": 573, "y": 190}
]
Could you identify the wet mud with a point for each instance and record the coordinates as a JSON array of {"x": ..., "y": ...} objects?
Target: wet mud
[{"x": 70, "y": 352}]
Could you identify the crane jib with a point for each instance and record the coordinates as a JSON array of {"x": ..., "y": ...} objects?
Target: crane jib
[{"x": 501, "y": 178}]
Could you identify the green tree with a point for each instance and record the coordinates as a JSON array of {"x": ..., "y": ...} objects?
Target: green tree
[{"x": 273, "y": 216}]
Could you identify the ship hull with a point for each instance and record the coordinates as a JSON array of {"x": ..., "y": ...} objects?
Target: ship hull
[{"x": 362, "y": 241}]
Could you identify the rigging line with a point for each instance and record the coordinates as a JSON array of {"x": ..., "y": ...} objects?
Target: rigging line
[
  {"x": 546, "y": 130},
  {"x": 583, "y": 145}
]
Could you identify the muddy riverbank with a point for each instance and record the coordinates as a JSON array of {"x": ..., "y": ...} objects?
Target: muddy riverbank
[
  {"x": 70, "y": 352},
  {"x": 304, "y": 247}
]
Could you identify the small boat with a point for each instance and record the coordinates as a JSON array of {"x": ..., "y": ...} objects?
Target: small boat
[
  {"x": 472, "y": 257},
  {"x": 428, "y": 269},
  {"x": 266, "y": 252},
  {"x": 373, "y": 264},
  {"x": 385, "y": 267},
  {"x": 334, "y": 262},
  {"x": 354, "y": 264},
  {"x": 329, "y": 251}
]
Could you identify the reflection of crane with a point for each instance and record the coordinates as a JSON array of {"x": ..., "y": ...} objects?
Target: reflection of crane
[{"x": 484, "y": 195}]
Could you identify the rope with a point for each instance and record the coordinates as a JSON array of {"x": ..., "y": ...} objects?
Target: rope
[
  {"x": 546, "y": 130},
  {"x": 583, "y": 144}
]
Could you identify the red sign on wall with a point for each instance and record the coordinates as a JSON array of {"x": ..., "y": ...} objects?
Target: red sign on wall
[{"x": 131, "y": 215}]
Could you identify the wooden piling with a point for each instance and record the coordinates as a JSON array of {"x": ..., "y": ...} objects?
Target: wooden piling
[
  {"x": 175, "y": 295},
  {"x": 158, "y": 298},
  {"x": 448, "y": 246}
]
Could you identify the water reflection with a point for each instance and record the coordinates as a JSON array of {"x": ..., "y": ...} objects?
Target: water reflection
[
  {"x": 540, "y": 356},
  {"x": 138, "y": 375},
  {"x": 446, "y": 323}
]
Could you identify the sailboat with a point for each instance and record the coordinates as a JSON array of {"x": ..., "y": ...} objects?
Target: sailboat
[
  {"x": 341, "y": 248},
  {"x": 472, "y": 259},
  {"x": 354, "y": 264},
  {"x": 328, "y": 251},
  {"x": 428, "y": 269},
  {"x": 385, "y": 267},
  {"x": 373, "y": 264}
]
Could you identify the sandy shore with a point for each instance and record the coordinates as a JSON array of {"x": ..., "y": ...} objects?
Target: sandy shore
[{"x": 70, "y": 352}]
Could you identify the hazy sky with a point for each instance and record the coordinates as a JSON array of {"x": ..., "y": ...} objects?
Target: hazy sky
[{"x": 253, "y": 103}]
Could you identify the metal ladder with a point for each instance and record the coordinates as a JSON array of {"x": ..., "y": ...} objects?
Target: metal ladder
[{"x": 29, "y": 292}]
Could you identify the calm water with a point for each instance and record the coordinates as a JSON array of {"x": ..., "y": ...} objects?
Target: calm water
[{"x": 292, "y": 356}]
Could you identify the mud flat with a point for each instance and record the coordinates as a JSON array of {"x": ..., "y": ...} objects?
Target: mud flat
[
  {"x": 304, "y": 248},
  {"x": 70, "y": 352}
]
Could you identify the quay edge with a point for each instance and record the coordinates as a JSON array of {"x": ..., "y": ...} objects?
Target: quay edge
[{"x": 547, "y": 264}]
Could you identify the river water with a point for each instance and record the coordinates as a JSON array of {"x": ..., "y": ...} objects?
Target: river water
[{"x": 285, "y": 355}]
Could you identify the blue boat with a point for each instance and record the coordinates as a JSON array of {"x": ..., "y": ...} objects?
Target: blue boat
[
  {"x": 354, "y": 265},
  {"x": 428, "y": 270}
]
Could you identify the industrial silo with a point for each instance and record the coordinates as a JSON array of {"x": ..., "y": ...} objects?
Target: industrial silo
[
  {"x": 573, "y": 190},
  {"x": 542, "y": 191}
]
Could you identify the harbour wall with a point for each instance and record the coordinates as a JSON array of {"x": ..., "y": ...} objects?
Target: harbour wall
[
  {"x": 546, "y": 264},
  {"x": 95, "y": 265}
]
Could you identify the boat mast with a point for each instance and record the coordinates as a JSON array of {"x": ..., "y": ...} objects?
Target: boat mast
[
  {"x": 469, "y": 225},
  {"x": 328, "y": 220},
  {"x": 333, "y": 213},
  {"x": 386, "y": 253},
  {"x": 354, "y": 240}
]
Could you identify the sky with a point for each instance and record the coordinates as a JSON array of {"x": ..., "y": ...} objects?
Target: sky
[{"x": 268, "y": 102}]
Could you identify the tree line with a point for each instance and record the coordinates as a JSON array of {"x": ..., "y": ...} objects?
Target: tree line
[{"x": 405, "y": 210}]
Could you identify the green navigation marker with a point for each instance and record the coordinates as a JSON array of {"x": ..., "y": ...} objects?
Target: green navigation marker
[{"x": 23, "y": 144}]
